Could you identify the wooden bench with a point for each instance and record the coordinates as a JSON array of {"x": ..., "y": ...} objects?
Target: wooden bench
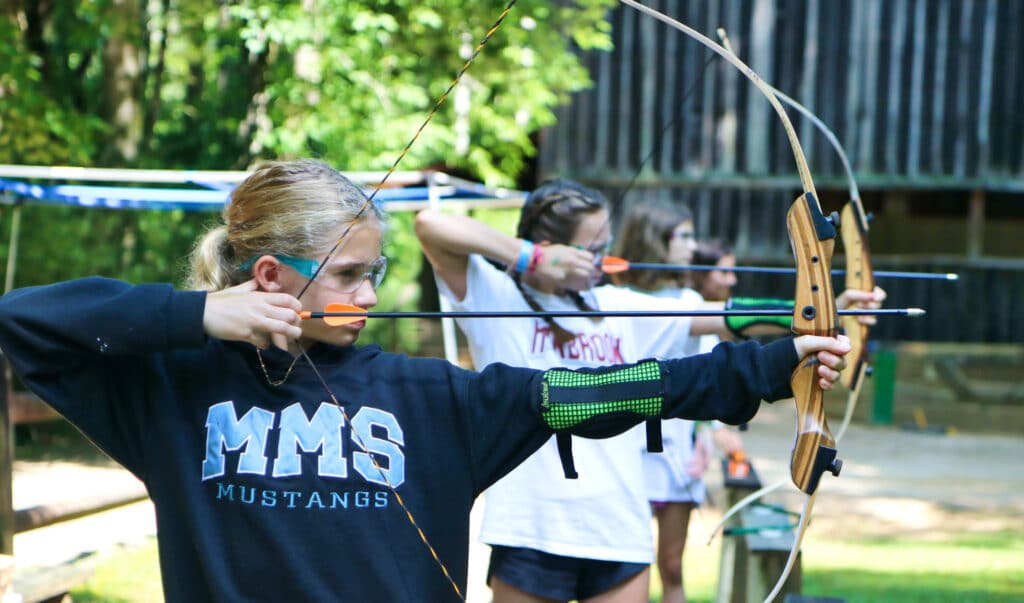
[
  {"x": 755, "y": 546},
  {"x": 52, "y": 584}
]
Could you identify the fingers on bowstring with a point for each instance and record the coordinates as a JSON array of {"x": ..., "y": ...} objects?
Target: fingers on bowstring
[
  {"x": 285, "y": 315},
  {"x": 283, "y": 300},
  {"x": 283, "y": 324}
]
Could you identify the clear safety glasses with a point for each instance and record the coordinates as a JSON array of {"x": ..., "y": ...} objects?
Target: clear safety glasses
[{"x": 344, "y": 278}]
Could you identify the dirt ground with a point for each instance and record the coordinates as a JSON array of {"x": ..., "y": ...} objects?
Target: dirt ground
[{"x": 893, "y": 482}]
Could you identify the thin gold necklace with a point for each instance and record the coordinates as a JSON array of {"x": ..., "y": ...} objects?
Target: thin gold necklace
[{"x": 266, "y": 375}]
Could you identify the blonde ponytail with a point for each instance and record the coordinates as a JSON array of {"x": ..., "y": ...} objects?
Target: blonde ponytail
[{"x": 211, "y": 262}]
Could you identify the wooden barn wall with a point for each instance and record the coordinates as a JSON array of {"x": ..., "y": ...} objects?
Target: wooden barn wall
[
  {"x": 926, "y": 96},
  {"x": 923, "y": 94}
]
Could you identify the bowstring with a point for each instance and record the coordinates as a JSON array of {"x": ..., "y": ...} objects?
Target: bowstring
[
  {"x": 405, "y": 151},
  {"x": 339, "y": 244}
]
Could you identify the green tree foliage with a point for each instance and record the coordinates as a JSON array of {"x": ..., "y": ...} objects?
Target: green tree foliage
[
  {"x": 203, "y": 85},
  {"x": 192, "y": 84}
]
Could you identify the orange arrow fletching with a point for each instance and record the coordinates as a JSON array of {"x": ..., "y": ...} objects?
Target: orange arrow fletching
[
  {"x": 613, "y": 265},
  {"x": 337, "y": 321},
  {"x": 350, "y": 313}
]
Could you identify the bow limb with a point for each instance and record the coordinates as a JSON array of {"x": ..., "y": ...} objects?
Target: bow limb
[
  {"x": 801, "y": 529},
  {"x": 858, "y": 276}
]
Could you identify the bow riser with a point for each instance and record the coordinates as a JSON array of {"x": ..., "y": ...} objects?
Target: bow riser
[
  {"x": 814, "y": 310},
  {"x": 813, "y": 237}
]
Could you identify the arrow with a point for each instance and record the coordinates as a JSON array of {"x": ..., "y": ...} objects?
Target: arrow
[
  {"x": 615, "y": 265},
  {"x": 337, "y": 315}
]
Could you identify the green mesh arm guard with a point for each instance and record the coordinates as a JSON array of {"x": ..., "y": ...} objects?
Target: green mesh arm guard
[
  {"x": 739, "y": 325},
  {"x": 601, "y": 402}
]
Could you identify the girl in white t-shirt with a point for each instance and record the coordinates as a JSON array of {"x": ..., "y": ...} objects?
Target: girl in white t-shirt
[{"x": 554, "y": 538}]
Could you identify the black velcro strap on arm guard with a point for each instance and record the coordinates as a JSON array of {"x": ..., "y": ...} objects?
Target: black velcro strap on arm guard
[{"x": 600, "y": 403}]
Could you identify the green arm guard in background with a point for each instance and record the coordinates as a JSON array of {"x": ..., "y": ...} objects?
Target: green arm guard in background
[{"x": 738, "y": 325}]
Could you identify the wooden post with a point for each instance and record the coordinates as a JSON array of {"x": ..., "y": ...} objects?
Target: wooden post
[
  {"x": 976, "y": 225},
  {"x": 768, "y": 544},
  {"x": 735, "y": 558},
  {"x": 6, "y": 464}
]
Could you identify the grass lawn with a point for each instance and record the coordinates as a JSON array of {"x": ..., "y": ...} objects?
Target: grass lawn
[
  {"x": 964, "y": 568},
  {"x": 126, "y": 576},
  {"x": 968, "y": 568}
]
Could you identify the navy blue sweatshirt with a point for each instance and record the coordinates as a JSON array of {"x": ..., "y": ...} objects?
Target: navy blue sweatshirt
[{"x": 263, "y": 493}]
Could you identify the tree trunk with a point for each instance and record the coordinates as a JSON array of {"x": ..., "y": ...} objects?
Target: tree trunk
[{"x": 122, "y": 64}]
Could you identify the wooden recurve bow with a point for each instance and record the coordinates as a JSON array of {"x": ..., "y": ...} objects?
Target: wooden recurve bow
[{"x": 812, "y": 236}]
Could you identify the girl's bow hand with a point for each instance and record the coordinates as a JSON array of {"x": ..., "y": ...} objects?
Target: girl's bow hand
[
  {"x": 829, "y": 351},
  {"x": 564, "y": 267}
]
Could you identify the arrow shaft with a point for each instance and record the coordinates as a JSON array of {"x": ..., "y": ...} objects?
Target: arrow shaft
[
  {"x": 602, "y": 314},
  {"x": 775, "y": 270}
]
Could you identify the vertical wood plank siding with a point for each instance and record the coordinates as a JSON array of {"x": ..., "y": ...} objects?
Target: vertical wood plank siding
[{"x": 925, "y": 95}]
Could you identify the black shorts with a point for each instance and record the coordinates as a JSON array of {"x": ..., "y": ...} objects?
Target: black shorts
[{"x": 557, "y": 577}]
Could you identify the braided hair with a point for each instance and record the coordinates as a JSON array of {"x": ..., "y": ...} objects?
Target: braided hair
[{"x": 552, "y": 213}]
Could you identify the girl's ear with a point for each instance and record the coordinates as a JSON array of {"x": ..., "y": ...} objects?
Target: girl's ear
[{"x": 268, "y": 271}]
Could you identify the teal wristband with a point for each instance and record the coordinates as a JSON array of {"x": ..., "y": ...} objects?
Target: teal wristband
[{"x": 523, "y": 261}]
